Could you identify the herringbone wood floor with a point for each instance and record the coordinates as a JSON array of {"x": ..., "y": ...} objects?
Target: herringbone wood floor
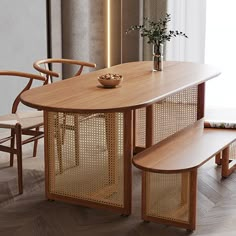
[{"x": 30, "y": 214}]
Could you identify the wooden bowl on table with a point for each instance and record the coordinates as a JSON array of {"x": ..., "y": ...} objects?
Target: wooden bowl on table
[{"x": 110, "y": 80}]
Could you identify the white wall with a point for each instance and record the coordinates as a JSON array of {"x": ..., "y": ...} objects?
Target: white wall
[{"x": 22, "y": 41}]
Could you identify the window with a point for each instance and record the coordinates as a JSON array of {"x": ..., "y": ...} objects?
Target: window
[{"x": 220, "y": 50}]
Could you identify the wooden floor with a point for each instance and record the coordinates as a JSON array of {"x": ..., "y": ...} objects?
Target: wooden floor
[{"x": 30, "y": 214}]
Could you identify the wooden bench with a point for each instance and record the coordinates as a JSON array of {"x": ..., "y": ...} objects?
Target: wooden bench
[{"x": 169, "y": 179}]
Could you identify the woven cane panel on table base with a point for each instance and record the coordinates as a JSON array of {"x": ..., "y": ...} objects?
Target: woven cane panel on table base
[
  {"x": 168, "y": 196},
  {"x": 169, "y": 116},
  {"x": 86, "y": 157},
  {"x": 175, "y": 113},
  {"x": 232, "y": 151}
]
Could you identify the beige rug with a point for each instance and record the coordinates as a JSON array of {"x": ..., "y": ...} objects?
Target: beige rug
[{"x": 33, "y": 180}]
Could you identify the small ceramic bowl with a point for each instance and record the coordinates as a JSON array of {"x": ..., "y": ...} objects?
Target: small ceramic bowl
[{"x": 110, "y": 80}]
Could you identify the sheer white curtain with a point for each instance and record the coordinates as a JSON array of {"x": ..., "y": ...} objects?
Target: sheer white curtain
[
  {"x": 188, "y": 16},
  {"x": 210, "y": 25},
  {"x": 220, "y": 51}
]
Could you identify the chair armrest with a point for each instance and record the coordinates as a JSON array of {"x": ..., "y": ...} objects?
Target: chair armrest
[
  {"x": 22, "y": 75},
  {"x": 37, "y": 64}
]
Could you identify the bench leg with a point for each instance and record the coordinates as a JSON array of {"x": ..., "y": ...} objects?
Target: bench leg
[
  {"x": 228, "y": 166},
  {"x": 170, "y": 198},
  {"x": 218, "y": 159}
]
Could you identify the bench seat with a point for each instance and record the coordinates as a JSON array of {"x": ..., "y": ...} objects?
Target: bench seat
[
  {"x": 187, "y": 149},
  {"x": 169, "y": 180}
]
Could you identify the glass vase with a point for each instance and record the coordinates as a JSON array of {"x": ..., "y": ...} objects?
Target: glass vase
[{"x": 157, "y": 57}]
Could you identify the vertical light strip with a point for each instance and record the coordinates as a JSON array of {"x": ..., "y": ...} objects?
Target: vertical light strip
[{"x": 108, "y": 33}]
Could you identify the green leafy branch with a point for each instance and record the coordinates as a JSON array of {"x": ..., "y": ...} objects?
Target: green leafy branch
[{"x": 156, "y": 32}]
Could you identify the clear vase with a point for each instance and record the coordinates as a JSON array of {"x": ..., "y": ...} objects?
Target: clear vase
[{"x": 157, "y": 57}]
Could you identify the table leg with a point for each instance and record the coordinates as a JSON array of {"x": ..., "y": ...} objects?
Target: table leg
[
  {"x": 128, "y": 154},
  {"x": 111, "y": 141},
  {"x": 49, "y": 153},
  {"x": 149, "y": 126},
  {"x": 184, "y": 187}
]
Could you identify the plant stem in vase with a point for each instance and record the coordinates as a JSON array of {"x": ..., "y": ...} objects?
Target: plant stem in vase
[{"x": 157, "y": 57}]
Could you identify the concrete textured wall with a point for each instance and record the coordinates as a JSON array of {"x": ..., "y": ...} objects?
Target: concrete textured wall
[
  {"x": 154, "y": 10},
  {"x": 115, "y": 32},
  {"x": 130, "y": 42},
  {"x": 55, "y": 28},
  {"x": 83, "y": 31},
  {"x": 23, "y": 40}
]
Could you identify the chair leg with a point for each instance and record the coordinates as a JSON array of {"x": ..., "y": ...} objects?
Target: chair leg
[
  {"x": 35, "y": 144},
  {"x": 19, "y": 157},
  {"x": 12, "y": 144}
]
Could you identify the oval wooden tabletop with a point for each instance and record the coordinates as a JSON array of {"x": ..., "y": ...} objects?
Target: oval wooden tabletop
[{"x": 140, "y": 87}]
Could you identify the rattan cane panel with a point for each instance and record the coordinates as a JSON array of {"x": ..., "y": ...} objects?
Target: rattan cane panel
[
  {"x": 140, "y": 127},
  {"x": 86, "y": 157},
  {"x": 232, "y": 151},
  {"x": 170, "y": 115},
  {"x": 175, "y": 113},
  {"x": 167, "y": 196}
]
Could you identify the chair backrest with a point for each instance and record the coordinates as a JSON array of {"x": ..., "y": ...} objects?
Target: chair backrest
[
  {"x": 45, "y": 67},
  {"x": 30, "y": 77}
]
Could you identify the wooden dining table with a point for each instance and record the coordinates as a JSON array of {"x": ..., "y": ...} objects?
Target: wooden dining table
[{"x": 92, "y": 132}]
